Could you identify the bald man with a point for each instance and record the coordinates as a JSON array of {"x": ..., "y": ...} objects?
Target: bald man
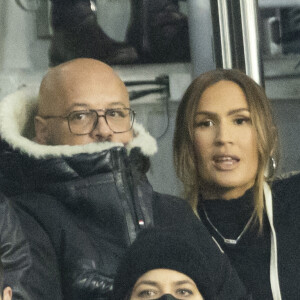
[
  {"x": 80, "y": 86},
  {"x": 74, "y": 164}
]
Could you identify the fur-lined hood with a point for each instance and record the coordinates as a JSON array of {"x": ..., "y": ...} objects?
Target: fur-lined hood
[{"x": 17, "y": 129}]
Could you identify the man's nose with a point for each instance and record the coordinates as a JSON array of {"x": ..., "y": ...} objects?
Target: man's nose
[{"x": 102, "y": 131}]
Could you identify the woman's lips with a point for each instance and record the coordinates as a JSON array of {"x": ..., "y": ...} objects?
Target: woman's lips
[{"x": 225, "y": 162}]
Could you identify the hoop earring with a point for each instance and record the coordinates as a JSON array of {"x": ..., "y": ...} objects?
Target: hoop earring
[
  {"x": 274, "y": 164},
  {"x": 272, "y": 167}
]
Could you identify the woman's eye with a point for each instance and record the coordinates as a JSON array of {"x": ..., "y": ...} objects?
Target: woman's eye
[
  {"x": 240, "y": 121},
  {"x": 184, "y": 292},
  {"x": 207, "y": 123},
  {"x": 146, "y": 294}
]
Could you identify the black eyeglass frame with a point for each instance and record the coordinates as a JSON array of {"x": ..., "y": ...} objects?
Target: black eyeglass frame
[{"x": 105, "y": 111}]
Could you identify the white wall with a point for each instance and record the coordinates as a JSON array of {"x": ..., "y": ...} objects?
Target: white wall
[
  {"x": 23, "y": 57},
  {"x": 20, "y": 48}
]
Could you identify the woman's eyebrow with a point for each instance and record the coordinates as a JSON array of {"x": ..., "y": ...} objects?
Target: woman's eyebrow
[
  {"x": 184, "y": 282},
  {"x": 148, "y": 282},
  {"x": 238, "y": 110},
  {"x": 231, "y": 112},
  {"x": 205, "y": 112}
]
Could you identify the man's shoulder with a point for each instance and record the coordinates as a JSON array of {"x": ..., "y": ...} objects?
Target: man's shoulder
[
  {"x": 8, "y": 218},
  {"x": 169, "y": 208},
  {"x": 35, "y": 199},
  {"x": 43, "y": 208},
  {"x": 3, "y": 202},
  {"x": 170, "y": 200}
]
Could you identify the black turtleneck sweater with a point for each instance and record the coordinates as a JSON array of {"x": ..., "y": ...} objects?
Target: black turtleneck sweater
[{"x": 251, "y": 255}]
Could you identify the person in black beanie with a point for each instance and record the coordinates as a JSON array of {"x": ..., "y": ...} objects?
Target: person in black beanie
[{"x": 163, "y": 264}]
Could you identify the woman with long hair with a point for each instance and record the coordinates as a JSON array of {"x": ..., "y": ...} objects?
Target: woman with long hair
[{"x": 225, "y": 153}]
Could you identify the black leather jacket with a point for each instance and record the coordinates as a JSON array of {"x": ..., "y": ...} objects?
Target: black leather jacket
[
  {"x": 91, "y": 207},
  {"x": 90, "y": 201},
  {"x": 15, "y": 252}
]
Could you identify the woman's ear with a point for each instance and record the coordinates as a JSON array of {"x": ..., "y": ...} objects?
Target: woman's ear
[
  {"x": 7, "y": 293},
  {"x": 41, "y": 130}
]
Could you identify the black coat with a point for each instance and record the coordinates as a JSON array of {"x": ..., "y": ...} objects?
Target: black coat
[
  {"x": 269, "y": 264},
  {"x": 14, "y": 251},
  {"x": 92, "y": 206},
  {"x": 82, "y": 206},
  {"x": 286, "y": 218}
]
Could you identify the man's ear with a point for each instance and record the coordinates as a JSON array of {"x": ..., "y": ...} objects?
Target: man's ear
[
  {"x": 41, "y": 130},
  {"x": 7, "y": 293}
]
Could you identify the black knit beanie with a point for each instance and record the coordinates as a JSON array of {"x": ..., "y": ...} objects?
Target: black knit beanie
[{"x": 156, "y": 249}]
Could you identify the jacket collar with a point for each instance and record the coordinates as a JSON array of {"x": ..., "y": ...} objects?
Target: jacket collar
[{"x": 17, "y": 129}]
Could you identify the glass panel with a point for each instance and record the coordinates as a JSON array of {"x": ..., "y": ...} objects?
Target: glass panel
[
  {"x": 280, "y": 38},
  {"x": 156, "y": 29}
]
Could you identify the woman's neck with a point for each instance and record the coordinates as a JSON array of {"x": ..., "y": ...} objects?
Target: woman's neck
[
  {"x": 229, "y": 217},
  {"x": 224, "y": 193}
]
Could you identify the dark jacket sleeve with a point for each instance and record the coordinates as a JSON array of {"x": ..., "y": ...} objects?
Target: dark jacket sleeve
[
  {"x": 80, "y": 274},
  {"x": 286, "y": 211},
  {"x": 14, "y": 250},
  {"x": 31, "y": 267}
]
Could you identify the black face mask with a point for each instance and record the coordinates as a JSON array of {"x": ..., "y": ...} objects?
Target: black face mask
[{"x": 166, "y": 297}]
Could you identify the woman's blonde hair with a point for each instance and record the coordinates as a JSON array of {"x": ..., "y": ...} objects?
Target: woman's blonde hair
[{"x": 262, "y": 120}]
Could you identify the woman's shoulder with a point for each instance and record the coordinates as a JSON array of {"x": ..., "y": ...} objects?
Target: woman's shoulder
[
  {"x": 287, "y": 179},
  {"x": 287, "y": 186}
]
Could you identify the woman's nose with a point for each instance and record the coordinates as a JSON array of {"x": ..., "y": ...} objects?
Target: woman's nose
[{"x": 224, "y": 134}]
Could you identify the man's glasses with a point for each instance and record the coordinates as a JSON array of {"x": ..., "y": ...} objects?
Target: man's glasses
[{"x": 83, "y": 122}]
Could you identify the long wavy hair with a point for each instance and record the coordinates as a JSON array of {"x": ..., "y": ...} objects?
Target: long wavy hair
[{"x": 262, "y": 120}]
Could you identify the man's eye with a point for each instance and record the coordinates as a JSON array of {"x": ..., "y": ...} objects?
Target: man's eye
[
  {"x": 116, "y": 113},
  {"x": 78, "y": 116}
]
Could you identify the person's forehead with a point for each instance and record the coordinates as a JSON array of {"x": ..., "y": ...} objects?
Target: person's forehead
[
  {"x": 223, "y": 93},
  {"x": 91, "y": 92},
  {"x": 96, "y": 97},
  {"x": 164, "y": 274}
]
